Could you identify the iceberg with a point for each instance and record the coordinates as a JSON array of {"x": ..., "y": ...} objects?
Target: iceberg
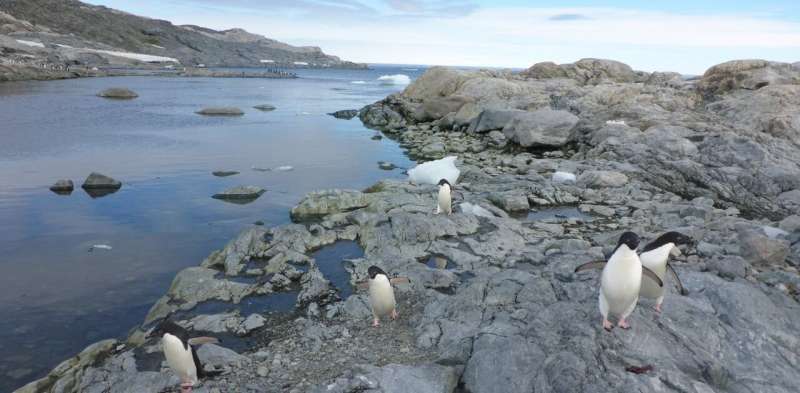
[{"x": 433, "y": 171}]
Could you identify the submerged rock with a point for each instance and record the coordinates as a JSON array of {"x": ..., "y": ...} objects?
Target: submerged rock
[
  {"x": 220, "y": 111},
  {"x": 224, "y": 173},
  {"x": 265, "y": 107},
  {"x": 120, "y": 93}
]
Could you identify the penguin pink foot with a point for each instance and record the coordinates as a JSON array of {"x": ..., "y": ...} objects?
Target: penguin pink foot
[
  {"x": 623, "y": 324},
  {"x": 376, "y": 322},
  {"x": 395, "y": 314},
  {"x": 657, "y": 308},
  {"x": 607, "y": 325},
  {"x": 186, "y": 387}
]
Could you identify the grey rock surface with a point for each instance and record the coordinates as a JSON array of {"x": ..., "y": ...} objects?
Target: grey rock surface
[
  {"x": 119, "y": 93},
  {"x": 220, "y": 111},
  {"x": 99, "y": 181}
]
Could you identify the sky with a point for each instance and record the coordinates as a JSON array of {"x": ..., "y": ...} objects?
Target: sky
[{"x": 680, "y": 35}]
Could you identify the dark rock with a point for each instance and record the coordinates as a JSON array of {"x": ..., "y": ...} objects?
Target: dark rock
[
  {"x": 224, "y": 173},
  {"x": 345, "y": 114},
  {"x": 97, "y": 181},
  {"x": 118, "y": 93},
  {"x": 220, "y": 111},
  {"x": 240, "y": 193},
  {"x": 64, "y": 187},
  {"x": 265, "y": 107}
]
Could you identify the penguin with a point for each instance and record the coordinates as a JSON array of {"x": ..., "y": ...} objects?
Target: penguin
[
  {"x": 621, "y": 281},
  {"x": 655, "y": 256},
  {"x": 180, "y": 354},
  {"x": 445, "y": 198},
  {"x": 381, "y": 294}
]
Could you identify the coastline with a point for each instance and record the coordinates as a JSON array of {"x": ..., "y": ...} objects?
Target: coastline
[{"x": 508, "y": 311}]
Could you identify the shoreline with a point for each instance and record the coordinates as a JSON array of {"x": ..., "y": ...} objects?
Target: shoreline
[{"x": 507, "y": 309}]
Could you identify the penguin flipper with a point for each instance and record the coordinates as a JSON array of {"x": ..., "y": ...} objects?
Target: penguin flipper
[
  {"x": 203, "y": 340},
  {"x": 400, "y": 280},
  {"x": 683, "y": 291},
  {"x": 652, "y": 275},
  {"x": 590, "y": 265},
  {"x": 199, "y": 371}
]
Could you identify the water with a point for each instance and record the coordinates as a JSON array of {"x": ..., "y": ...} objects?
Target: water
[
  {"x": 55, "y": 296},
  {"x": 330, "y": 260}
]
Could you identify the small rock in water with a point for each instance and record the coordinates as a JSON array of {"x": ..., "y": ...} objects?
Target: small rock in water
[
  {"x": 377, "y": 137},
  {"x": 119, "y": 93},
  {"x": 265, "y": 107},
  {"x": 99, "y": 181},
  {"x": 224, "y": 173},
  {"x": 63, "y": 187},
  {"x": 220, "y": 111},
  {"x": 240, "y": 193},
  {"x": 346, "y": 114},
  {"x": 386, "y": 166},
  {"x": 259, "y": 169},
  {"x": 259, "y": 223}
]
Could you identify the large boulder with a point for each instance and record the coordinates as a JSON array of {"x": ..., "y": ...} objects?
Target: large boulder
[
  {"x": 545, "y": 70},
  {"x": 240, "y": 193},
  {"x": 437, "y": 108},
  {"x": 584, "y": 71},
  {"x": 746, "y": 74},
  {"x": 436, "y": 82},
  {"x": 492, "y": 119},
  {"x": 321, "y": 203},
  {"x": 602, "y": 179},
  {"x": 761, "y": 250},
  {"x": 118, "y": 93},
  {"x": 543, "y": 127}
]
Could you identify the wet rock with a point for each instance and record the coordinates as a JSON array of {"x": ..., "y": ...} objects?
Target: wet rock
[
  {"x": 97, "y": 181},
  {"x": 316, "y": 288},
  {"x": 321, "y": 203},
  {"x": 386, "y": 166},
  {"x": 220, "y": 111},
  {"x": 119, "y": 93},
  {"x": 240, "y": 193},
  {"x": 68, "y": 373},
  {"x": 345, "y": 114},
  {"x": 64, "y": 186}
]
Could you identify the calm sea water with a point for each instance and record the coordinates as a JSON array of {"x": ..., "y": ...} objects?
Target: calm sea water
[{"x": 55, "y": 296}]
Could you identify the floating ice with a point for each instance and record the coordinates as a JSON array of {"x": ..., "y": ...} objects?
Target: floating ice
[
  {"x": 359, "y": 82},
  {"x": 397, "y": 79},
  {"x": 563, "y": 177},
  {"x": 476, "y": 210},
  {"x": 99, "y": 247},
  {"x": 433, "y": 171},
  {"x": 284, "y": 168}
]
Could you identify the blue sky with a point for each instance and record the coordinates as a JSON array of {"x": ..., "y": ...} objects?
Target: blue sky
[{"x": 684, "y": 36}]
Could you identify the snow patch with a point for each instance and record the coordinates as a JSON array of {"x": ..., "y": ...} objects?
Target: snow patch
[
  {"x": 433, "y": 171},
  {"x": 137, "y": 56},
  {"x": 156, "y": 46},
  {"x": 563, "y": 177},
  {"x": 31, "y": 43},
  {"x": 774, "y": 233},
  {"x": 397, "y": 79},
  {"x": 616, "y": 122},
  {"x": 475, "y": 210},
  {"x": 300, "y": 63}
]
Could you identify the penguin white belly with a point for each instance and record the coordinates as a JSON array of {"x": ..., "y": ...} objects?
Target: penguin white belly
[
  {"x": 179, "y": 358},
  {"x": 620, "y": 284},
  {"x": 445, "y": 201},
  {"x": 655, "y": 260},
  {"x": 381, "y": 296}
]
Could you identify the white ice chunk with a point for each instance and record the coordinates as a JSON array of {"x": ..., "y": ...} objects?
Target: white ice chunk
[
  {"x": 563, "y": 177},
  {"x": 397, "y": 79},
  {"x": 433, "y": 171}
]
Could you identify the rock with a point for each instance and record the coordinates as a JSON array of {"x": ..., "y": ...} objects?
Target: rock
[
  {"x": 64, "y": 186},
  {"x": 545, "y": 70},
  {"x": 265, "y": 107},
  {"x": 377, "y": 137},
  {"x": 395, "y": 378},
  {"x": 386, "y": 166},
  {"x": 746, "y": 74},
  {"x": 240, "y": 193},
  {"x": 224, "y": 173},
  {"x": 322, "y": 203},
  {"x": 345, "y": 114},
  {"x": 510, "y": 201},
  {"x": 543, "y": 127},
  {"x": 97, "y": 181},
  {"x": 585, "y": 71},
  {"x": 436, "y": 82},
  {"x": 492, "y": 119},
  {"x": 220, "y": 357},
  {"x": 316, "y": 288},
  {"x": 253, "y": 322},
  {"x": 600, "y": 179},
  {"x": 759, "y": 250},
  {"x": 497, "y": 139},
  {"x": 119, "y": 93},
  {"x": 728, "y": 267},
  {"x": 436, "y": 108},
  {"x": 220, "y": 111},
  {"x": 502, "y": 364}
]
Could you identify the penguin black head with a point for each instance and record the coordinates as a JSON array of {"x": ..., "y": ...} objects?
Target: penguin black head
[
  {"x": 167, "y": 326},
  {"x": 629, "y": 239},
  {"x": 673, "y": 237},
  {"x": 443, "y": 182},
  {"x": 374, "y": 271}
]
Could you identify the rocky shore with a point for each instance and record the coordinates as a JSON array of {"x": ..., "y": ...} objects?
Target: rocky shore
[{"x": 500, "y": 309}]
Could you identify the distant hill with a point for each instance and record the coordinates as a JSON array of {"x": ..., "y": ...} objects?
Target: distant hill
[{"x": 67, "y": 25}]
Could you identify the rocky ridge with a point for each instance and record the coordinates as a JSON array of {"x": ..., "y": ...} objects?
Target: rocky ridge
[{"x": 506, "y": 313}]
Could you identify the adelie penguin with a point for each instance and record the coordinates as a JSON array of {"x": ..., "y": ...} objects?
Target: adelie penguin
[
  {"x": 445, "y": 201},
  {"x": 621, "y": 281},
  {"x": 179, "y": 351},
  {"x": 655, "y": 256},
  {"x": 381, "y": 294}
]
